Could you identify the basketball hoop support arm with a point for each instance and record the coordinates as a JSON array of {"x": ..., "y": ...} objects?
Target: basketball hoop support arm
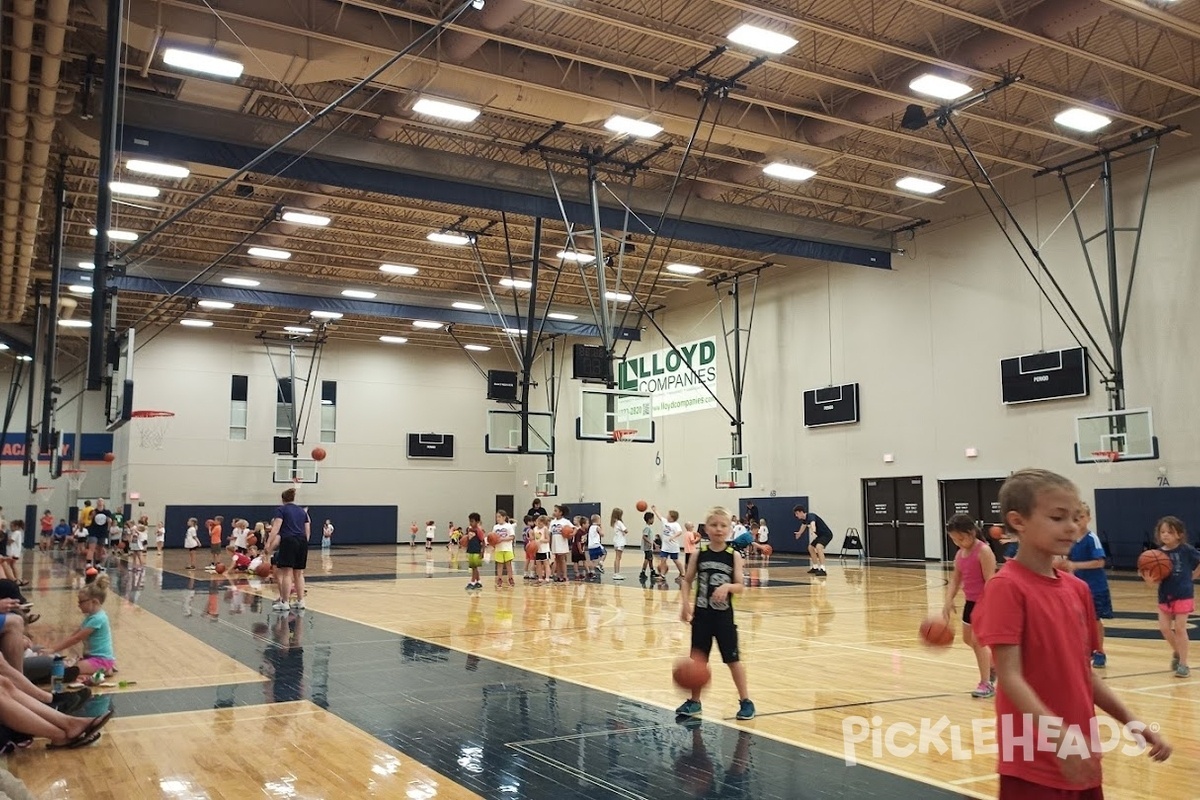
[{"x": 737, "y": 361}]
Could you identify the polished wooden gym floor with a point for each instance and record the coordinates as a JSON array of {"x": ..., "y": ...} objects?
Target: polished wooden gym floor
[{"x": 398, "y": 683}]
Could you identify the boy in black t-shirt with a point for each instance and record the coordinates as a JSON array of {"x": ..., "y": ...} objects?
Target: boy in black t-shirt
[
  {"x": 717, "y": 573},
  {"x": 819, "y": 538}
]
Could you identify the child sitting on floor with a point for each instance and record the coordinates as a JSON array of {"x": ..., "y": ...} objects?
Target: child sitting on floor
[{"x": 95, "y": 633}]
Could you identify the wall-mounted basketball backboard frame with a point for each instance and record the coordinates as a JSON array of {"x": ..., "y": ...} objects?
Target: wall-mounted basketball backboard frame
[
  {"x": 290, "y": 468},
  {"x": 1129, "y": 433},
  {"x": 546, "y": 486},
  {"x": 504, "y": 432},
  {"x": 607, "y": 415},
  {"x": 120, "y": 380},
  {"x": 733, "y": 472}
]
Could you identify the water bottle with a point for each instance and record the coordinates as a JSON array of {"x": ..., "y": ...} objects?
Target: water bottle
[{"x": 58, "y": 671}]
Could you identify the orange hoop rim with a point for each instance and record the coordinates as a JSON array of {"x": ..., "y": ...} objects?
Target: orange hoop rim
[
  {"x": 623, "y": 434},
  {"x": 73, "y": 471},
  {"x": 150, "y": 414},
  {"x": 1106, "y": 455}
]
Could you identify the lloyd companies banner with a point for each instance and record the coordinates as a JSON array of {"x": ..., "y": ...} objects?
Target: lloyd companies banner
[{"x": 666, "y": 377}]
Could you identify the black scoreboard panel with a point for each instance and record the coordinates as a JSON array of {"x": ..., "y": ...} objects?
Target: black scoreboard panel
[
  {"x": 431, "y": 445},
  {"x": 1050, "y": 375},
  {"x": 831, "y": 405},
  {"x": 502, "y": 386},
  {"x": 591, "y": 363}
]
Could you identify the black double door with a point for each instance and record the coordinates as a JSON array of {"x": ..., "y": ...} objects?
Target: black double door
[
  {"x": 894, "y": 510},
  {"x": 977, "y": 497}
]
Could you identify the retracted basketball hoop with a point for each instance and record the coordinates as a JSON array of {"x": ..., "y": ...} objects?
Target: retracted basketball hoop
[
  {"x": 623, "y": 435},
  {"x": 152, "y": 427},
  {"x": 1104, "y": 459}
]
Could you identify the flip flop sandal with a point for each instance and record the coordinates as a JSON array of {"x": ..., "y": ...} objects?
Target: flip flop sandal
[
  {"x": 32, "y": 618},
  {"x": 82, "y": 740},
  {"x": 99, "y": 722}
]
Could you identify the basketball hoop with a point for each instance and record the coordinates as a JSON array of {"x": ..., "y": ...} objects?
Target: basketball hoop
[
  {"x": 296, "y": 482},
  {"x": 42, "y": 494},
  {"x": 623, "y": 435},
  {"x": 542, "y": 493},
  {"x": 75, "y": 478},
  {"x": 1104, "y": 459},
  {"x": 726, "y": 484},
  {"x": 152, "y": 427}
]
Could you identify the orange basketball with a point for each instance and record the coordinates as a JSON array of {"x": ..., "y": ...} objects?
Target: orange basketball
[
  {"x": 642, "y": 505},
  {"x": 566, "y": 531},
  {"x": 531, "y": 549},
  {"x": 996, "y": 532},
  {"x": 493, "y": 539},
  {"x": 251, "y": 540},
  {"x": 210, "y": 522},
  {"x": 221, "y": 569},
  {"x": 110, "y": 457},
  {"x": 691, "y": 673},
  {"x": 412, "y": 528},
  {"x": 936, "y": 632},
  {"x": 262, "y": 570},
  {"x": 319, "y": 454},
  {"x": 1154, "y": 564},
  {"x": 767, "y": 550}
]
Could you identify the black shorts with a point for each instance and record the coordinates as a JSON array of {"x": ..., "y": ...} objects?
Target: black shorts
[
  {"x": 292, "y": 554},
  {"x": 968, "y": 607},
  {"x": 542, "y": 557},
  {"x": 822, "y": 539},
  {"x": 709, "y": 625}
]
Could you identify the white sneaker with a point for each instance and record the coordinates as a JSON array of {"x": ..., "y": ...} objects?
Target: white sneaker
[
  {"x": 618, "y": 577},
  {"x": 298, "y": 604},
  {"x": 280, "y": 606}
]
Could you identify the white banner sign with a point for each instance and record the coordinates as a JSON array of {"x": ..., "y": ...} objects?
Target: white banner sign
[{"x": 674, "y": 378}]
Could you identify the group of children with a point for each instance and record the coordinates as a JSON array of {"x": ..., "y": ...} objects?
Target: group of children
[{"x": 243, "y": 547}]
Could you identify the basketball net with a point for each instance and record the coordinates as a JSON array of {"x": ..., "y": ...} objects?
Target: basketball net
[
  {"x": 1104, "y": 459},
  {"x": 623, "y": 435},
  {"x": 75, "y": 478},
  {"x": 152, "y": 427}
]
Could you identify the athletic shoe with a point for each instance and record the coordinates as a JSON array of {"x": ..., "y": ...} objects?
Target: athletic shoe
[
  {"x": 813, "y": 570},
  {"x": 641, "y": 576},
  {"x": 618, "y": 577},
  {"x": 298, "y": 605},
  {"x": 984, "y": 689},
  {"x": 1099, "y": 660},
  {"x": 470, "y": 585},
  {"x": 1182, "y": 671},
  {"x": 745, "y": 710},
  {"x": 691, "y": 708},
  {"x": 281, "y": 606},
  {"x": 1174, "y": 661}
]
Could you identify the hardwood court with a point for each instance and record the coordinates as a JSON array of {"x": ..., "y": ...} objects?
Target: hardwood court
[{"x": 824, "y": 656}]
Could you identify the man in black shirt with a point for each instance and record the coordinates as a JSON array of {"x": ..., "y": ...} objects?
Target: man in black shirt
[{"x": 819, "y": 537}]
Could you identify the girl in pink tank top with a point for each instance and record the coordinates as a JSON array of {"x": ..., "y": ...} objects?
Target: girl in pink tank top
[{"x": 974, "y": 566}]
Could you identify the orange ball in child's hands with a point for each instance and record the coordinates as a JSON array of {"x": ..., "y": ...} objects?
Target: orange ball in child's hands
[
  {"x": 936, "y": 632},
  {"x": 691, "y": 673}
]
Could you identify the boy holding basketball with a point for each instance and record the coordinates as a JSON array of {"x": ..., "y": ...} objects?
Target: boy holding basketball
[
  {"x": 717, "y": 573},
  {"x": 1041, "y": 627}
]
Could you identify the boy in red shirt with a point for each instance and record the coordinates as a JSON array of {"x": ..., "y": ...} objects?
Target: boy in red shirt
[{"x": 1041, "y": 626}]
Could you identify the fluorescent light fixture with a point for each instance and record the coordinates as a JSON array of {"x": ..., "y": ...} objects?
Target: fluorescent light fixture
[
  {"x": 3, "y": 346},
  {"x": 510, "y": 283},
  {"x": 24, "y": 358},
  {"x": 156, "y": 168},
  {"x": 269, "y": 252},
  {"x": 393, "y": 339},
  {"x": 87, "y": 265},
  {"x": 304, "y": 218},
  {"x": 515, "y": 332},
  {"x": 300, "y": 329},
  {"x": 449, "y": 237},
  {"x": 74, "y": 323},
  {"x": 133, "y": 189},
  {"x": 248, "y": 282},
  {"x": 426, "y": 325},
  {"x": 120, "y": 236},
  {"x": 326, "y": 314},
  {"x": 618, "y": 297},
  {"x": 196, "y": 323},
  {"x": 445, "y": 110},
  {"x": 479, "y": 348},
  {"x": 633, "y": 127},
  {"x": 562, "y": 316},
  {"x": 80, "y": 288},
  {"x": 571, "y": 255},
  {"x": 219, "y": 305},
  {"x": 1082, "y": 120},
  {"x": 762, "y": 39},
  {"x": 359, "y": 294},
  {"x": 919, "y": 185},
  {"x": 939, "y": 87},
  {"x": 398, "y": 269},
  {"x": 684, "y": 269},
  {"x": 201, "y": 62},
  {"x": 468, "y": 306},
  {"x": 788, "y": 172}
]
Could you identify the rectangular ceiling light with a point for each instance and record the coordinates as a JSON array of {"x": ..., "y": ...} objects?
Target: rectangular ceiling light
[
  {"x": 1082, "y": 120},
  {"x": 359, "y": 294},
  {"x": 219, "y": 305},
  {"x": 80, "y": 288},
  {"x": 196, "y": 323},
  {"x": 515, "y": 331},
  {"x": 468, "y": 306},
  {"x": 398, "y": 269},
  {"x": 247, "y": 282},
  {"x": 479, "y": 348},
  {"x": 445, "y": 110},
  {"x": 326, "y": 314},
  {"x": 75, "y": 323},
  {"x": 633, "y": 127},
  {"x": 562, "y": 316},
  {"x": 304, "y": 218},
  {"x": 939, "y": 87},
  {"x": 202, "y": 62},
  {"x": 762, "y": 39},
  {"x": 120, "y": 236},
  {"x": 299, "y": 329},
  {"x": 449, "y": 237},
  {"x": 393, "y": 339},
  {"x": 133, "y": 189},
  {"x": 684, "y": 269},
  {"x": 156, "y": 168},
  {"x": 618, "y": 297},
  {"x": 427, "y": 325},
  {"x": 579, "y": 258},
  {"x": 919, "y": 185},
  {"x": 269, "y": 252},
  {"x": 788, "y": 172},
  {"x": 510, "y": 283},
  {"x": 87, "y": 265}
]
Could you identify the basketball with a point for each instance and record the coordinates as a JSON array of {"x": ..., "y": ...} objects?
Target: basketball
[
  {"x": 221, "y": 569},
  {"x": 691, "y": 674},
  {"x": 996, "y": 532},
  {"x": 413, "y": 529},
  {"x": 319, "y": 454},
  {"x": 262, "y": 570},
  {"x": 110, "y": 457},
  {"x": 493, "y": 539},
  {"x": 767, "y": 550},
  {"x": 251, "y": 540},
  {"x": 566, "y": 531},
  {"x": 936, "y": 632},
  {"x": 208, "y": 523},
  {"x": 531, "y": 548},
  {"x": 642, "y": 505},
  {"x": 1154, "y": 564}
]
